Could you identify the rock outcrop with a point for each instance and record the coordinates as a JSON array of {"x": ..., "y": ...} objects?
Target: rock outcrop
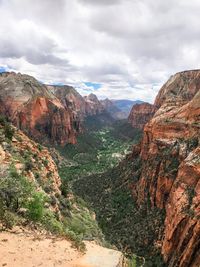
[
  {"x": 33, "y": 108},
  {"x": 170, "y": 169},
  {"x": 93, "y": 105},
  {"x": 141, "y": 114}
]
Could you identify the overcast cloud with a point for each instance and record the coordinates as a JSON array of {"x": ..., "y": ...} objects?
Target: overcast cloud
[{"x": 128, "y": 47}]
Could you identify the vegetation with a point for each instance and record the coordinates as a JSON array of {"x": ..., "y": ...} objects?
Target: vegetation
[
  {"x": 125, "y": 225},
  {"x": 98, "y": 150}
]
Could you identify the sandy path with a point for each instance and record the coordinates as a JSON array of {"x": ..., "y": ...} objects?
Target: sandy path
[
  {"x": 28, "y": 249},
  {"x": 25, "y": 248}
]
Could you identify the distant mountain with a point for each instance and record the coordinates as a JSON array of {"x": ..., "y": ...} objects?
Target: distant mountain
[
  {"x": 126, "y": 105},
  {"x": 113, "y": 110}
]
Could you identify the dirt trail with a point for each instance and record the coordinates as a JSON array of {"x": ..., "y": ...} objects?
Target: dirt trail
[
  {"x": 29, "y": 249},
  {"x": 25, "y": 248}
]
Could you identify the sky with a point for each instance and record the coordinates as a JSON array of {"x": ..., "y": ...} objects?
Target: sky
[{"x": 120, "y": 49}]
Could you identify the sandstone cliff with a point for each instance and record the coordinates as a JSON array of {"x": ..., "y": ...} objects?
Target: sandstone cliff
[
  {"x": 141, "y": 114},
  {"x": 170, "y": 170},
  {"x": 35, "y": 110},
  {"x": 93, "y": 105}
]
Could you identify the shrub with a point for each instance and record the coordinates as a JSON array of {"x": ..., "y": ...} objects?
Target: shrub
[
  {"x": 28, "y": 165},
  {"x": 3, "y": 120},
  {"x": 7, "y": 218},
  {"x": 51, "y": 224},
  {"x": 36, "y": 206},
  {"x": 40, "y": 147},
  {"x": 45, "y": 162},
  {"x": 8, "y": 131},
  {"x": 14, "y": 189}
]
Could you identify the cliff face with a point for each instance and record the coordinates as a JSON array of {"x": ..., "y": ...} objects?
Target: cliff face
[
  {"x": 93, "y": 105},
  {"x": 170, "y": 171},
  {"x": 141, "y": 114},
  {"x": 71, "y": 99},
  {"x": 36, "y": 110},
  {"x": 81, "y": 107}
]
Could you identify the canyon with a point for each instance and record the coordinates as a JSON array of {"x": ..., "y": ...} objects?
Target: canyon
[{"x": 146, "y": 202}]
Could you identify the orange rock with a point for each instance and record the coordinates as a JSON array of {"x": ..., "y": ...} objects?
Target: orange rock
[
  {"x": 170, "y": 154},
  {"x": 141, "y": 114}
]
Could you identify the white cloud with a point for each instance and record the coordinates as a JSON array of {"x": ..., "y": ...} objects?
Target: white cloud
[{"x": 130, "y": 47}]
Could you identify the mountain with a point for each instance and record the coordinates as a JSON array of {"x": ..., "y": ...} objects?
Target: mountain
[
  {"x": 70, "y": 98},
  {"x": 113, "y": 110},
  {"x": 126, "y": 105},
  {"x": 35, "y": 109},
  {"x": 93, "y": 105},
  {"x": 140, "y": 114},
  {"x": 49, "y": 114},
  {"x": 149, "y": 203}
]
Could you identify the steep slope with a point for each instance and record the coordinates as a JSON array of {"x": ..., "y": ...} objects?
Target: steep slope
[
  {"x": 70, "y": 98},
  {"x": 46, "y": 218},
  {"x": 31, "y": 190},
  {"x": 35, "y": 110},
  {"x": 171, "y": 170},
  {"x": 140, "y": 114}
]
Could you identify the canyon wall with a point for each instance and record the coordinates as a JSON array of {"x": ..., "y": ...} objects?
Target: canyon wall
[
  {"x": 140, "y": 114},
  {"x": 170, "y": 169}
]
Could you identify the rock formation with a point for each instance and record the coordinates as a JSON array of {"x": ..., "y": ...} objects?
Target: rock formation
[
  {"x": 93, "y": 105},
  {"x": 170, "y": 170},
  {"x": 35, "y": 110},
  {"x": 141, "y": 114},
  {"x": 113, "y": 110}
]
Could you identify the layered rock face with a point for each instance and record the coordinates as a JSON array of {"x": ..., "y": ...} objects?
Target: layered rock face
[
  {"x": 93, "y": 105},
  {"x": 70, "y": 98},
  {"x": 141, "y": 114},
  {"x": 80, "y": 106},
  {"x": 170, "y": 172},
  {"x": 35, "y": 109}
]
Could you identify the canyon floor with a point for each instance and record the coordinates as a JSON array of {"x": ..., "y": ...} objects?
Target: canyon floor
[{"x": 28, "y": 248}]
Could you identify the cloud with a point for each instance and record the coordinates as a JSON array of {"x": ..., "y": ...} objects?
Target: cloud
[
  {"x": 130, "y": 47},
  {"x": 100, "y": 2}
]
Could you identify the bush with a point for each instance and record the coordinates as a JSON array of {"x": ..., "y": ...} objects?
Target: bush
[
  {"x": 14, "y": 190},
  {"x": 8, "y": 219},
  {"x": 36, "y": 206},
  {"x": 51, "y": 223},
  {"x": 3, "y": 120},
  {"x": 8, "y": 131},
  {"x": 28, "y": 165}
]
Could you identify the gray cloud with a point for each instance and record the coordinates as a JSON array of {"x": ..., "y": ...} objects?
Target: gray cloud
[
  {"x": 101, "y": 2},
  {"x": 129, "y": 46}
]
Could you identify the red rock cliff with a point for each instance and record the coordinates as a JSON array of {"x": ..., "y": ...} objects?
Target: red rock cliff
[
  {"x": 35, "y": 110},
  {"x": 170, "y": 176},
  {"x": 141, "y": 114}
]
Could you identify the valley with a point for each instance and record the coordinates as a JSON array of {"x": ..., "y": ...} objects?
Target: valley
[{"x": 70, "y": 168}]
